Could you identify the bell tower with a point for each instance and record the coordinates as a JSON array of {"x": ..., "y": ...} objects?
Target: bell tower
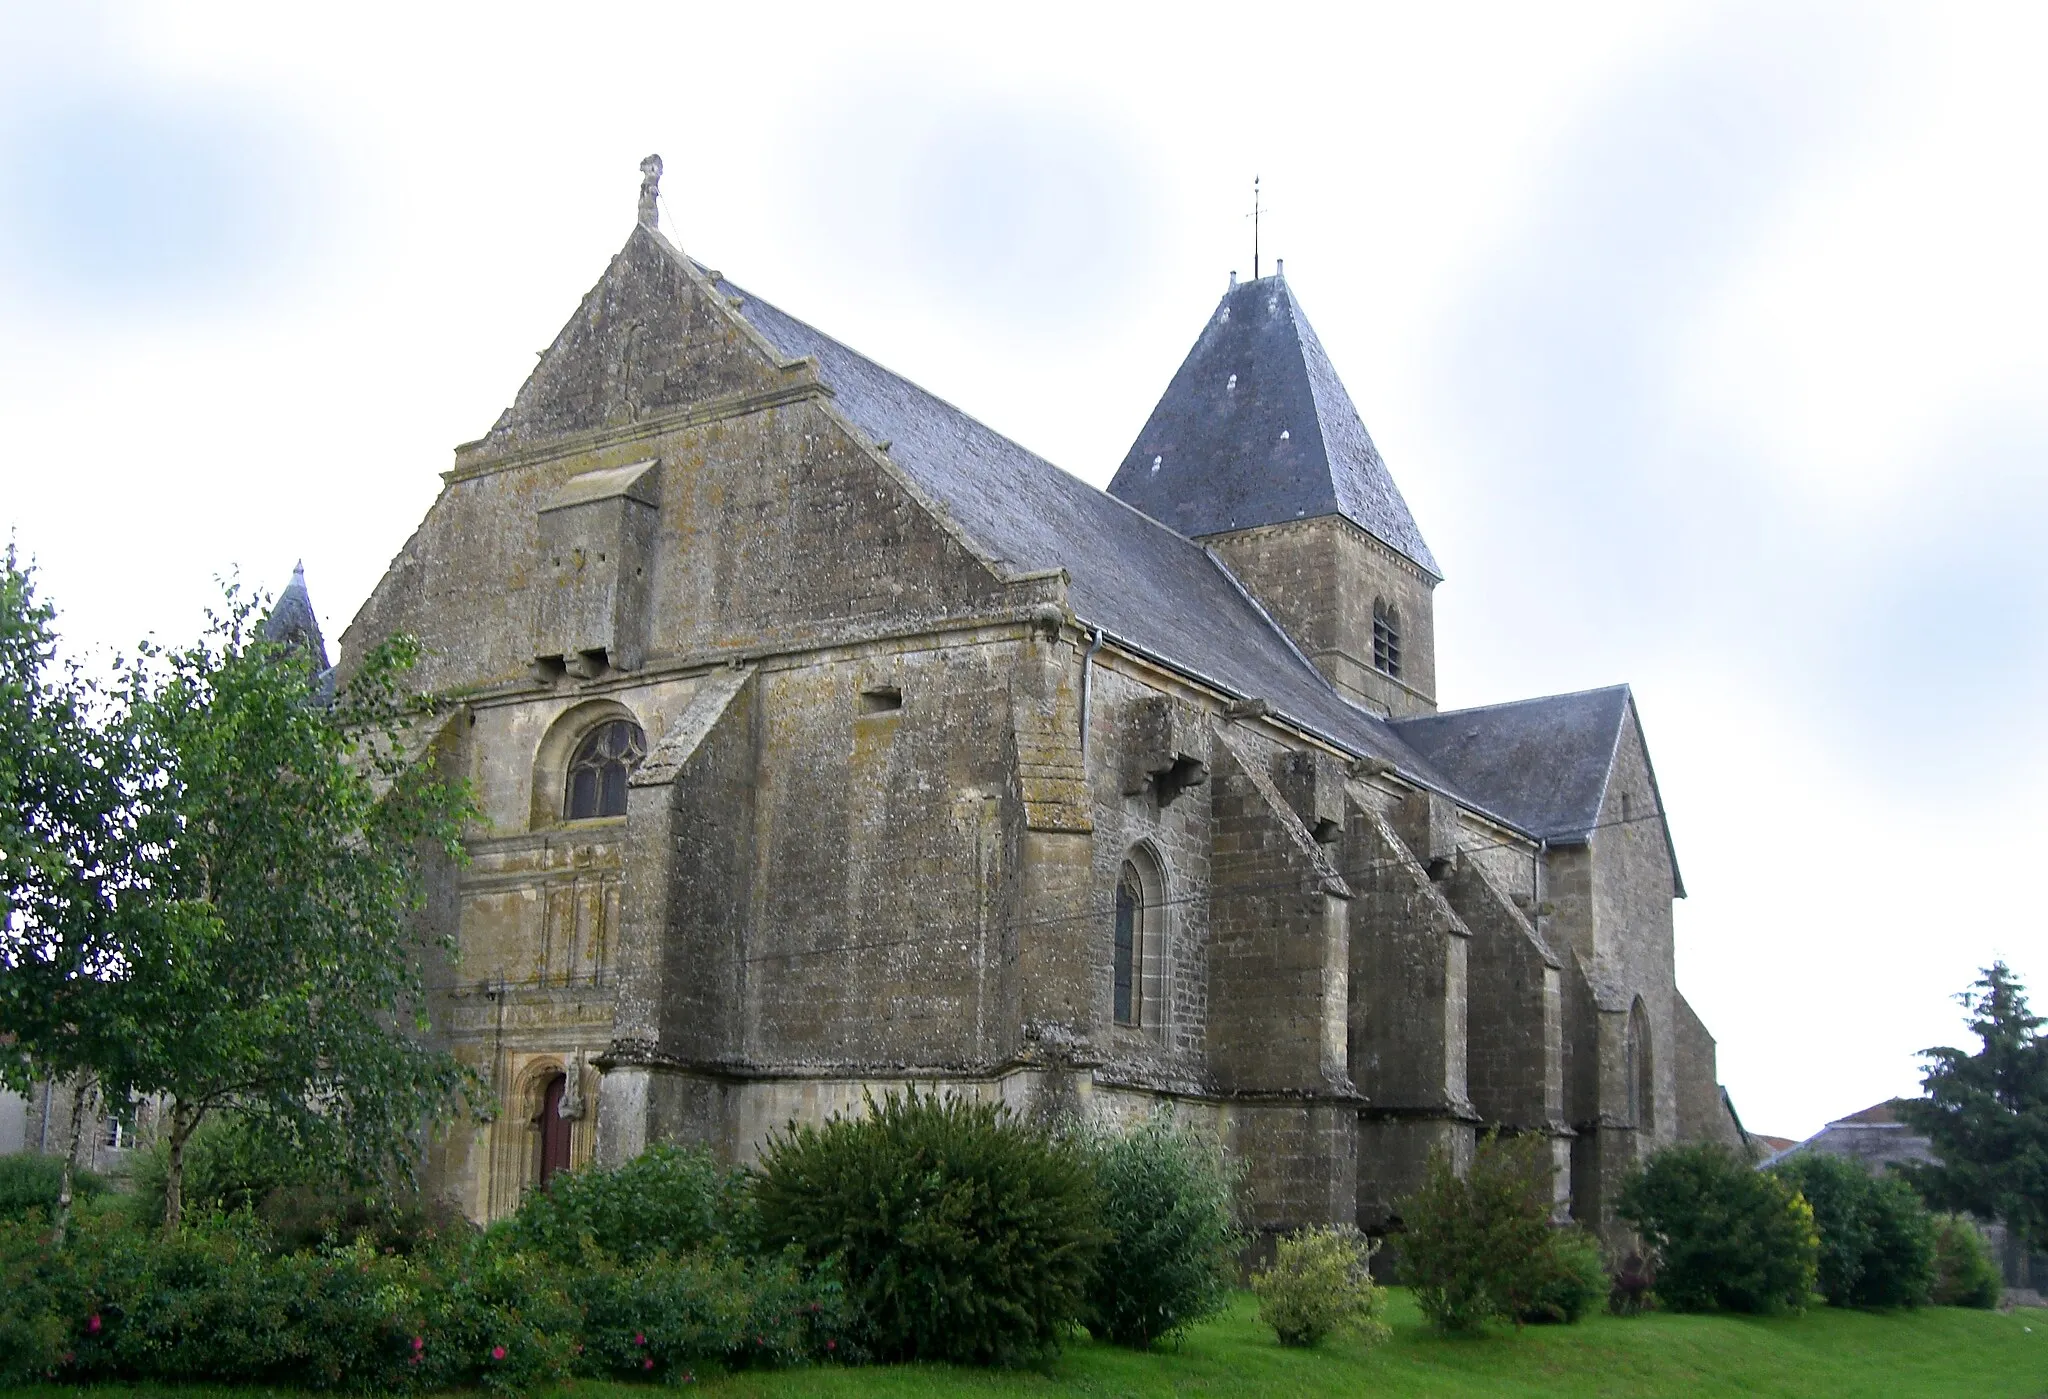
[{"x": 1256, "y": 450}]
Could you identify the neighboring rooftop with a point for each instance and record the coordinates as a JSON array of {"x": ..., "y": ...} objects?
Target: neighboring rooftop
[{"x": 1257, "y": 429}]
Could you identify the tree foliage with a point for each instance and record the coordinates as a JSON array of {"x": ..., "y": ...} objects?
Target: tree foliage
[
  {"x": 1987, "y": 1113},
  {"x": 68, "y": 772},
  {"x": 965, "y": 1233},
  {"x": 209, "y": 873},
  {"x": 1168, "y": 1202},
  {"x": 1876, "y": 1238},
  {"x": 1725, "y": 1235},
  {"x": 1480, "y": 1245},
  {"x": 1964, "y": 1275},
  {"x": 273, "y": 959}
]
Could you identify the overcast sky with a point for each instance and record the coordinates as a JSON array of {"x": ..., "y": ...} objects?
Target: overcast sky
[{"x": 1705, "y": 342}]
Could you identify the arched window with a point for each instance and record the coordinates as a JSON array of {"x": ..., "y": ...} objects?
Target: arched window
[
  {"x": 1642, "y": 1083},
  {"x": 1141, "y": 989},
  {"x": 1386, "y": 638},
  {"x": 1130, "y": 945},
  {"x": 599, "y": 768}
]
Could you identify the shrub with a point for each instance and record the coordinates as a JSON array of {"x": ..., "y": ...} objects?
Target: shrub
[
  {"x": 1964, "y": 1275},
  {"x": 232, "y": 1166},
  {"x": 1725, "y": 1235},
  {"x": 964, "y": 1234},
  {"x": 1876, "y": 1238},
  {"x": 662, "y": 1318},
  {"x": 1572, "y": 1280},
  {"x": 1167, "y": 1204},
  {"x": 34, "y": 1182},
  {"x": 1634, "y": 1289},
  {"x": 229, "y": 1166},
  {"x": 1320, "y": 1283},
  {"x": 667, "y": 1200},
  {"x": 1481, "y": 1245}
]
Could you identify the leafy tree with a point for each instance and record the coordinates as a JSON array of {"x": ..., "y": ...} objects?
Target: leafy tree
[
  {"x": 1987, "y": 1113},
  {"x": 1168, "y": 1202},
  {"x": 1876, "y": 1238},
  {"x": 1964, "y": 1275},
  {"x": 65, "y": 839},
  {"x": 1481, "y": 1245},
  {"x": 1725, "y": 1234},
  {"x": 272, "y": 957}
]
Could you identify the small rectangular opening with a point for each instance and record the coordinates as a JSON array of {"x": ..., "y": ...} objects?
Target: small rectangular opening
[{"x": 881, "y": 699}]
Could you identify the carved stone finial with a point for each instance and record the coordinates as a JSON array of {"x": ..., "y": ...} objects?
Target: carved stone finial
[{"x": 650, "y": 191}]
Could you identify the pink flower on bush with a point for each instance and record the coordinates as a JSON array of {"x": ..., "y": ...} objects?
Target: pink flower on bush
[
  {"x": 831, "y": 1345},
  {"x": 419, "y": 1343},
  {"x": 639, "y": 1338},
  {"x": 648, "y": 1363},
  {"x": 92, "y": 1323},
  {"x": 497, "y": 1352}
]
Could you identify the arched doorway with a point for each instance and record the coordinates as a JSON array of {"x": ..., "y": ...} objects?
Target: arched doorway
[{"x": 552, "y": 1131}]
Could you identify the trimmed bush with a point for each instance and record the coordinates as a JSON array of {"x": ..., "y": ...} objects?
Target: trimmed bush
[
  {"x": 1480, "y": 1246},
  {"x": 1964, "y": 1273},
  {"x": 1726, "y": 1236},
  {"x": 1319, "y": 1284},
  {"x": 963, "y": 1233},
  {"x": 667, "y": 1200},
  {"x": 1168, "y": 1207},
  {"x": 34, "y": 1182},
  {"x": 1876, "y": 1238}
]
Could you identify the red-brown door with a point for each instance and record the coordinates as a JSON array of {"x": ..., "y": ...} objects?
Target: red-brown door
[{"x": 554, "y": 1129}]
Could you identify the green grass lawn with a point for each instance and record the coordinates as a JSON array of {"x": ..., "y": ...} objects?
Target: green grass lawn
[{"x": 1933, "y": 1352}]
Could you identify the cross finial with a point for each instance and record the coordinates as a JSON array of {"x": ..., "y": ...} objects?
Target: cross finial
[{"x": 650, "y": 191}]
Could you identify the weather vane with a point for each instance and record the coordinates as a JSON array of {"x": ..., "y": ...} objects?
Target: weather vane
[{"x": 1254, "y": 217}]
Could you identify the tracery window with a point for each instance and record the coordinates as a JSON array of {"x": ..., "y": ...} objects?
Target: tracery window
[
  {"x": 1130, "y": 933},
  {"x": 599, "y": 768},
  {"x": 1386, "y": 638}
]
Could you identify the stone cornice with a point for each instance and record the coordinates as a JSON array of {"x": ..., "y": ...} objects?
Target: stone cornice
[
  {"x": 474, "y": 459},
  {"x": 1304, "y": 526}
]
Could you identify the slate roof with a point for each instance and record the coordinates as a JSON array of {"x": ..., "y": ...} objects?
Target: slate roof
[
  {"x": 291, "y": 618},
  {"x": 1257, "y": 429},
  {"x": 1151, "y": 589},
  {"x": 1541, "y": 763}
]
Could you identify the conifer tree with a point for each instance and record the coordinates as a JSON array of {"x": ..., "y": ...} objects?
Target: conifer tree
[{"x": 1987, "y": 1113}]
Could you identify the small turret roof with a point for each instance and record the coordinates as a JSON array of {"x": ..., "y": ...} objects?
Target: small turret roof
[
  {"x": 1257, "y": 429},
  {"x": 291, "y": 620}
]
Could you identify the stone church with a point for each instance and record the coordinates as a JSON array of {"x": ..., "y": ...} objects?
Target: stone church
[{"x": 830, "y": 741}]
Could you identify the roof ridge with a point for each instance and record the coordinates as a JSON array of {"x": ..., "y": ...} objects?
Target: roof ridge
[{"x": 1513, "y": 704}]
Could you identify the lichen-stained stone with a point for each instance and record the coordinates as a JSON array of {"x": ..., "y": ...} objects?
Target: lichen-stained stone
[{"x": 936, "y": 742}]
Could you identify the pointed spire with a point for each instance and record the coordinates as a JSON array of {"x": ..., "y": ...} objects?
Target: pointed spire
[
  {"x": 291, "y": 620},
  {"x": 1256, "y": 429}
]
